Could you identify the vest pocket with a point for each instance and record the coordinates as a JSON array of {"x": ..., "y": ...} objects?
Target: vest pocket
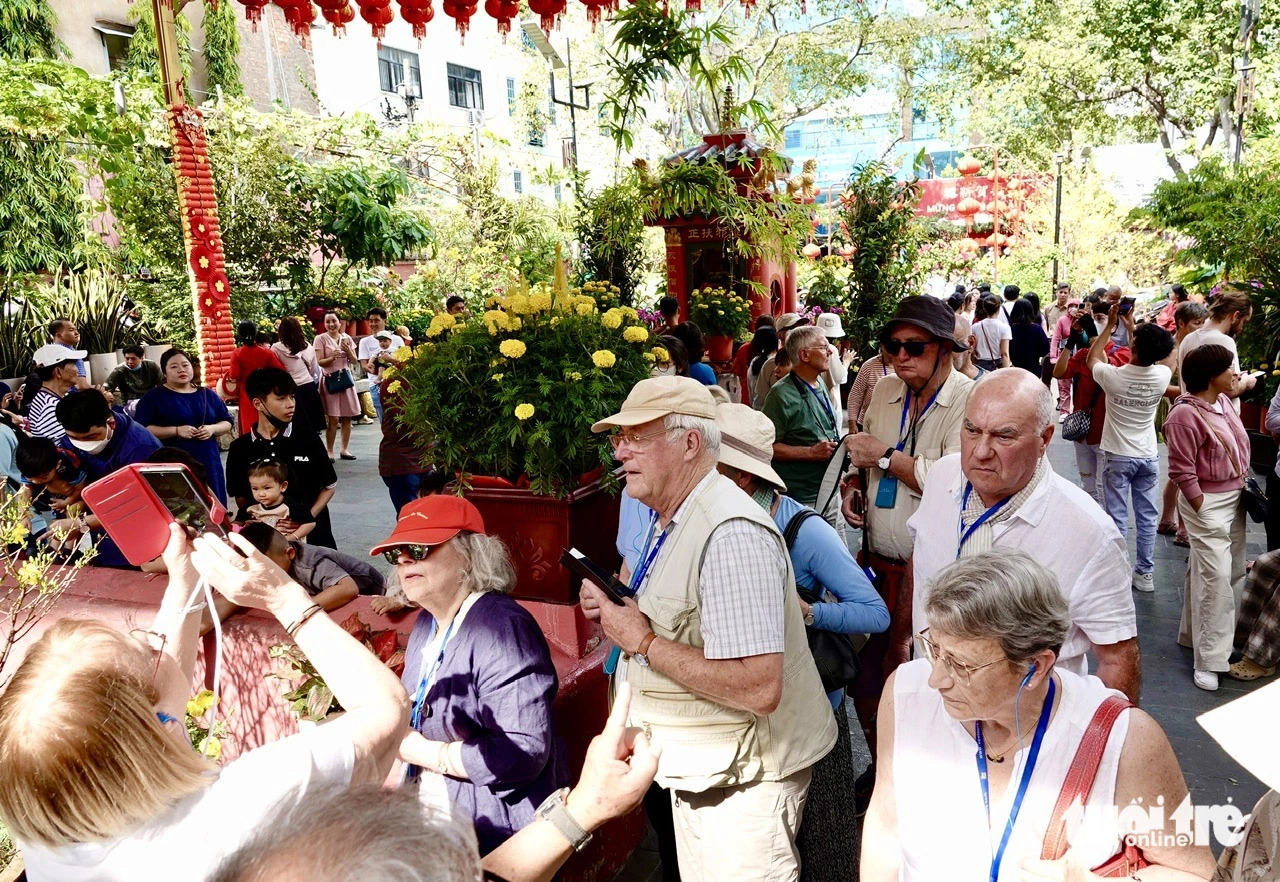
[
  {"x": 698, "y": 754},
  {"x": 670, "y": 615}
]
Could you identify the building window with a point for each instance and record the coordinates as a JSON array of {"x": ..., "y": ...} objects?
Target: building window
[
  {"x": 511, "y": 97},
  {"x": 465, "y": 89},
  {"x": 391, "y": 70},
  {"x": 115, "y": 41},
  {"x": 517, "y": 181},
  {"x": 559, "y": 193}
]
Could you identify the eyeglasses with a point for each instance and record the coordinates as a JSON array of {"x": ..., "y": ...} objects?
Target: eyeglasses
[
  {"x": 959, "y": 671},
  {"x": 415, "y": 552},
  {"x": 617, "y": 438},
  {"x": 915, "y": 348},
  {"x": 146, "y": 637}
]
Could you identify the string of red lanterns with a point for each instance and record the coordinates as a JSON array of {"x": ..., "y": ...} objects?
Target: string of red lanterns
[{"x": 301, "y": 14}]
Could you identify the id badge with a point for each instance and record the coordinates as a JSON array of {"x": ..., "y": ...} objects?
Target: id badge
[{"x": 887, "y": 492}]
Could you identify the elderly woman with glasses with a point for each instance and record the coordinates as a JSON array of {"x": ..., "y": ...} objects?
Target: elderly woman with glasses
[
  {"x": 477, "y": 670},
  {"x": 989, "y": 729}
]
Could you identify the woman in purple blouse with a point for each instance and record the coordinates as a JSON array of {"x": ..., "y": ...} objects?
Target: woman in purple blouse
[{"x": 477, "y": 670}]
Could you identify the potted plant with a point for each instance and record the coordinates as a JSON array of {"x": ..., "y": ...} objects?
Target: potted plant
[
  {"x": 506, "y": 400},
  {"x": 309, "y": 697},
  {"x": 722, "y": 316}
]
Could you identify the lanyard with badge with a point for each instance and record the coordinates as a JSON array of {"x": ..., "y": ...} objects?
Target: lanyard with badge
[
  {"x": 647, "y": 557},
  {"x": 887, "y": 489},
  {"x": 420, "y": 709},
  {"x": 982, "y": 518},
  {"x": 1027, "y": 771}
]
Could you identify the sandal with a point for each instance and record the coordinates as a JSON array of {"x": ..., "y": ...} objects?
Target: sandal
[
  {"x": 1247, "y": 669},
  {"x": 1166, "y": 528},
  {"x": 1182, "y": 540},
  {"x": 347, "y": 455}
]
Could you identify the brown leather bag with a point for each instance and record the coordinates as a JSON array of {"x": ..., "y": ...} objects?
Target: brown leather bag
[{"x": 1077, "y": 786}]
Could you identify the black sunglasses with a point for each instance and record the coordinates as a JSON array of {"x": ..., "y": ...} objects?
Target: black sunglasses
[
  {"x": 915, "y": 348},
  {"x": 416, "y": 552}
]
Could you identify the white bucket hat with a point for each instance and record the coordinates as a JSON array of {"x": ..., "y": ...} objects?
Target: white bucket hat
[
  {"x": 1242, "y": 726},
  {"x": 746, "y": 442},
  {"x": 829, "y": 322}
]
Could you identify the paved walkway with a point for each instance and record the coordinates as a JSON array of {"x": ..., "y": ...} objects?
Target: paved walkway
[{"x": 362, "y": 515}]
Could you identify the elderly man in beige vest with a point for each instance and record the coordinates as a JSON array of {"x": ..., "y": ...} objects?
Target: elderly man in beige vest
[{"x": 714, "y": 647}]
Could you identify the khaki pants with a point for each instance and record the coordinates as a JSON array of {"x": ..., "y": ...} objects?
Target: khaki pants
[
  {"x": 1215, "y": 578},
  {"x": 741, "y": 834}
]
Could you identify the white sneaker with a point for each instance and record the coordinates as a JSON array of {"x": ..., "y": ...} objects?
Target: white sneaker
[
  {"x": 1061, "y": 417},
  {"x": 1206, "y": 680},
  {"x": 1144, "y": 582}
]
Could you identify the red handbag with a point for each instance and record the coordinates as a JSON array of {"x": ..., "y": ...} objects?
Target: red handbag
[{"x": 1077, "y": 786}]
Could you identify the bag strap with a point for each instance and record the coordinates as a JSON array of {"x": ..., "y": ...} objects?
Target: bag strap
[
  {"x": 1081, "y": 774},
  {"x": 793, "y": 526},
  {"x": 1230, "y": 449}
]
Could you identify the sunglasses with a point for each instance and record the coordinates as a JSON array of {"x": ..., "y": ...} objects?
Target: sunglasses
[
  {"x": 415, "y": 552},
  {"x": 915, "y": 348}
]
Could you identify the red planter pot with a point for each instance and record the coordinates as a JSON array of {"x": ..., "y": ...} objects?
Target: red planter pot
[
  {"x": 720, "y": 348},
  {"x": 536, "y": 529},
  {"x": 362, "y": 328}
]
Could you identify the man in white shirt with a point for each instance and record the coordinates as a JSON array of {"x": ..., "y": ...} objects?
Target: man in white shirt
[
  {"x": 1011, "y": 295},
  {"x": 370, "y": 349},
  {"x": 1228, "y": 312},
  {"x": 1001, "y": 491},
  {"x": 1131, "y": 457}
]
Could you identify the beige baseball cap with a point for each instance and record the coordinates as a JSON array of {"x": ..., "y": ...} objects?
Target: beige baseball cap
[
  {"x": 746, "y": 442},
  {"x": 658, "y": 396}
]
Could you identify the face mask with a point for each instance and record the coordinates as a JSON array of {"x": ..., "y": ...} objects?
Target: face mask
[
  {"x": 92, "y": 446},
  {"x": 138, "y": 368},
  {"x": 663, "y": 372}
]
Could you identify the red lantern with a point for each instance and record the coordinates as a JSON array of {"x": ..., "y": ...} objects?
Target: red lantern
[
  {"x": 253, "y": 11},
  {"x": 460, "y": 11},
  {"x": 420, "y": 16},
  {"x": 503, "y": 11},
  {"x": 300, "y": 19},
  {"x": 548, "y": 11},
  {"x": 968, "y": 246},
  {"x": 968, "y": 206},
  {"x": 595, "y": 6},
  {"x": 692, "y": 5},
  {"x": 968, "y": 166},
  {"x": 378, "y": 18},
  {"x": 340, "y": 18},
  {"x": 811, "y": 251}
]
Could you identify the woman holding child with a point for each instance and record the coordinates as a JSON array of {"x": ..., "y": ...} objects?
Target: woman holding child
[{"x": 186, "y": 415}]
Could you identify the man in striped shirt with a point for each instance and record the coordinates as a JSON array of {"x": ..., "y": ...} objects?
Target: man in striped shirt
[{"x": 55, "y": 365}]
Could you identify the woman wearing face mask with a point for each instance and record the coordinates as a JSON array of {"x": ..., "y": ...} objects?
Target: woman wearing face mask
[
  {"x": 992, "y": 727},
  {"x": 762, "y": 345},
  {"x": 677, "y": 363},
  {"x": 183, "y": 414}
]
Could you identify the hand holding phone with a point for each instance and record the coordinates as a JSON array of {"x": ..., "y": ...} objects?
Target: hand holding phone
[
  {"x": 1126, "y": 305},
  {"x": 136, "y": 504},
  {"x": 584, "y": 567}
]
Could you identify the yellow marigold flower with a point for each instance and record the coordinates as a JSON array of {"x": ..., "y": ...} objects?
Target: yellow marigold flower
[
  {"x": 389, "y": 373},
  {"x": 394, "y": 387},
  {"x": 661, "y": 353},
  {"x": 524, "y": 411},
  {"x": 648, "y": 356},
  {"x": 573, "y": 376},
  {"x": 603, "y": 358},
  {"x": 555, "y": 320},
  {"x": 629, "y": 312},
  {"x": 512, "y": 348},
  {"x": 611, "y": 319},
  {"x": 402, "y": 354},
  {"x": 635, "y": 334},
  {"x": 540, "y": 301},
  {"x": 519, "y": 304},
  {"x": 719, "y": 312},
  {"x": 444, "y": 320},
  {"x": 200, "y": 703},
  {"x": 497, "y": 378}
]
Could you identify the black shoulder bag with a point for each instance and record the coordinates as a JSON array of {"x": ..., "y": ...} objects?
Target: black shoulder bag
[{"x": 833, "y": 652}]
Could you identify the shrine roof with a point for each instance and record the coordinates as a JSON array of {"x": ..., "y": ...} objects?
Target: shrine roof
[{"x": 726, "y": 148}]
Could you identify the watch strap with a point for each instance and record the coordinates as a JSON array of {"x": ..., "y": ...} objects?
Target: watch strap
[
  {"x": 645, "y": 644},
  {"x": 888, "y": 454},
  {"x": 554, "y": 810}
]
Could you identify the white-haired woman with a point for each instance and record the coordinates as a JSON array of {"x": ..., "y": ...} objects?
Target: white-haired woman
[
  {"x": 477, "y": 670},
  {"x": 976, "y": 739},
  {"x": 98, "y": 780}
]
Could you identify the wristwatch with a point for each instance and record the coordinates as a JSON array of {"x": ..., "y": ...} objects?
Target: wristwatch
[
  {"x": 808, "y": 619},
  {"x": 553, "y": 809},
  {"x": 883, "y": 462},
  {"x": 639, "y": 655}
]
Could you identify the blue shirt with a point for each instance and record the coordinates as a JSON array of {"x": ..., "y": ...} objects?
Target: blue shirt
[
  {"x": 79, "y": 361},
  {"x": 633, "y": 529},
  {"x": 820, "y": 557},
  {"x": 702, "y": 373}
]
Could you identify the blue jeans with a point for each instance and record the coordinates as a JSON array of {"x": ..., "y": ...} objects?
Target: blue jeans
[
  {"x": 1127, "y": 476},
  {"x": 375, "y": 392},
  {"x": 402, "y": 489}
]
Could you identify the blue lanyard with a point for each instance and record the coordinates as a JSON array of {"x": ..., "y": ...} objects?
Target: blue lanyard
[
  {"x": 982, "y": 518},
  {"x": 906, "y": 405},
  {"x": 822, "y": 400},
  {"x": 647, "y": 558},
  {"x": 424, "y": 685},
  {"x": 1027, "y": 770}
]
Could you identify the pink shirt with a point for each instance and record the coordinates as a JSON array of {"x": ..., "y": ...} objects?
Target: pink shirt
[
  {"x": 1061, "y": 331},
  {"x": 1198, "y": 462}
]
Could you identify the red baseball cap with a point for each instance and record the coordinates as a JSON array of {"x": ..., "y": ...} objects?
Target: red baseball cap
[{"x": 432, "y": 520}]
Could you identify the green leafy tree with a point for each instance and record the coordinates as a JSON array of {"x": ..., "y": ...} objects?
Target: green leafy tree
[
  {"x": 143, "y": 55},
  {"x": 610, "y": 230},
  {"x": 222, "y": 48},
  {"x": 29, "y": 31}
]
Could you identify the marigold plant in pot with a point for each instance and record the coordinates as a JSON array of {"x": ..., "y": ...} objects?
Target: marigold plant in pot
[{"x": 722, "y": 316}]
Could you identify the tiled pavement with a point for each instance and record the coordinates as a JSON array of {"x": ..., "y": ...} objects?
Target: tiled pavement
[{"x": 362, "y": 515}]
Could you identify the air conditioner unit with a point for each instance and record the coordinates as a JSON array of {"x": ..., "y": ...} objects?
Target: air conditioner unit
[{"x": 475, "y": 117}]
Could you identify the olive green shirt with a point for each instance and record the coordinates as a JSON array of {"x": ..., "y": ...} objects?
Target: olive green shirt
[
  {"x": 800, "y": 419},
  {"x": 130, "y": 385}
]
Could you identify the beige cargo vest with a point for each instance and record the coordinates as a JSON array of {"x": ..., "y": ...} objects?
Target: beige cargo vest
[{"x": 705, "y": 744}]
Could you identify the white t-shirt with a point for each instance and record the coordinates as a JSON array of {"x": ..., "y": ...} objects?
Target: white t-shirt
[
  {"x": 369, "y": 346},
  {"x": 1132, "y": 391},
  {"x": 989, "y": 332},
  {"x": 1006, "y": 309},
  {"x": 1203, "y": 336},
  {"x": 1061, "y": 527},
  {"x": 193, "y": 838}
]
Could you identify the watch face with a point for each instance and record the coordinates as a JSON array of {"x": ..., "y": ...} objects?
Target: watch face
[{"x": 641, "y": 660}]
